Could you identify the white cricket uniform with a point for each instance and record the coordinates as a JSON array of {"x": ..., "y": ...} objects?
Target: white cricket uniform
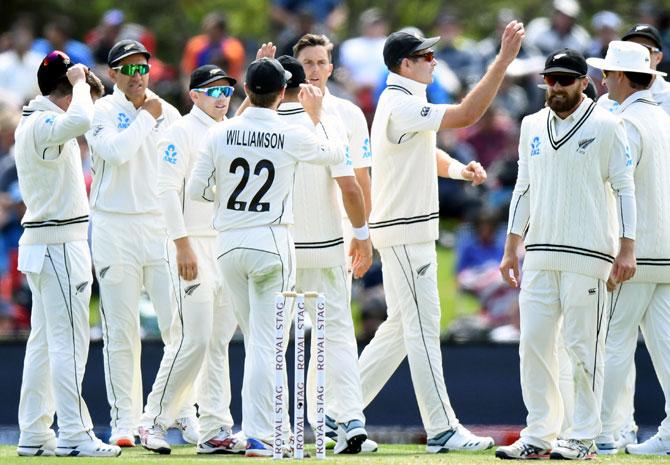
[
  {"x": 128, "y": 241},
  {"x": 251, "y": 159},
  {"x": 660, "y": 91},
  {"x": 54, "y": 255},
  {"x": 320, "y": 263},
  {"x": 204, "y": 322},
  {"x": 571, "y": 162},
  {"x": 404, "y": 227},
  {"x": 644, "y": 301}
]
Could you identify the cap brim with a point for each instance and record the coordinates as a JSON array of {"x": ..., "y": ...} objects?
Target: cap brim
[
  {"x": 219, "y": 78},
  {"x": 127, "y": 54},
  {"x": 287, "y": 75},
  {"x": 600, "y": 63},
  {"x": 561, "y": 70},
  {"x": 427, "y": 43},
  {"x": 646, "y": 35}
]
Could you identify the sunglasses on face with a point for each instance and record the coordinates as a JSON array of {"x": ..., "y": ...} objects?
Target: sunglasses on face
[
  {"x": 428, "y": 56},
  {"x": 130, "y": 70},
  {"x": 217, "y": 91},
  {"x": 563, "y": 79},
  {"x": 651, "y": 49}
]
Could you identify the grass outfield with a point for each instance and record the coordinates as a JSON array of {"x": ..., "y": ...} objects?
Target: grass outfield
[{"x": 396, "y": 454}]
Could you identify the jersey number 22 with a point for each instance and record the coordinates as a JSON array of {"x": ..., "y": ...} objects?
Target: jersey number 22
[{"x": 255, "y": 205}]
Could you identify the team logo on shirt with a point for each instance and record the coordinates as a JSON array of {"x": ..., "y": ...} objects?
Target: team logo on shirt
[
  {"x": 97, "y": 130},
  {"x": 535, "y": 147},
  {"x": 583, "y": 144},
  {"x": 50, "y": 120},
  {"x": 366, "y": 149},
  {"x": 170, "y": 154},
  {"x": 629, "y": 157},
  {"x": 425, "y": 111},
  {"x": 122, "y": 121},
  {"x": 347, "y": 157}
]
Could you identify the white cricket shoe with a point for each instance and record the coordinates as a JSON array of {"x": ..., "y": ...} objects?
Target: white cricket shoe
[
  {"x": 606, "y": 445},
  {"x": 655, "y": 445},
  {"x": 573, "y": 449},
  {"x": 93, "y": 448},
  {"x": 122, "y": 438},
  {"x": 153, "y": 438},
  {"x": 225, "y": 442},
  {"x": 369, "y": 446},
  {"x": 522, "y": 450},
  {"x": 459, "y": 438},
  {"x": 627, "y": 437},
  {"x": 189, "y": 429},
  {"x": 43, "y": 450}
]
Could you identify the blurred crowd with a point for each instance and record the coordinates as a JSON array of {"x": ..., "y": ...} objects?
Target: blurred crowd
[{"x": 474, "y": 217}]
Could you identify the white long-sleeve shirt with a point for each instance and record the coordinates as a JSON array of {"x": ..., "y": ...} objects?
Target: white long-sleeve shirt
[
  {"x": 124, "y": 151},
  {"x": 178, "y": 151},
  {"x": 561, "y": 193},
  {"x": 251, "y": 159},
  {"x": 48, "y": 164}
]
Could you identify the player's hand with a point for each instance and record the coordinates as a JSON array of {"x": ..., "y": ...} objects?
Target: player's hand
[
  {"x": 153, "y": 106},
  {"x": 611, "y": 284},
  {"x": 361, "y": 256},
  {"x": 266, "y": 51},
  {"x": 509, "y": 268},
  {"x": 187, "y": 262},
  {"x": 311, "y": 99},
  {"x": 510, "y": 43},
  {"x": 76, "y": 73},
  {"x": 474, "y": 172},
  {"x": 624, "y": 264}
]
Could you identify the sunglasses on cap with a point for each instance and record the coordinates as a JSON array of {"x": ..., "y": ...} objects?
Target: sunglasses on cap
[
  {"x": 217, "y": 91},
  {"x": 563, "y": 79},
  {"x": 130, "y": 70},
  {"x": 428, "y": 56}
]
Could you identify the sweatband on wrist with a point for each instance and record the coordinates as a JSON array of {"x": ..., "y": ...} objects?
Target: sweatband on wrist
[
  {"x": 362, "y": 233},
  {"x": 455, "y": 170}
]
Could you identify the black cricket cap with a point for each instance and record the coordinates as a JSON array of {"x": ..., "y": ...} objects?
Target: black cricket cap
[
  {"x": 401, "y": 45},
  {"x": 125, "y": 48},
  {"x": 647, "y": 31},
  {"x": 207, "y": 74},
  {"x": 294, "y": 67},
  {"x": 52, "y": 70},
  {"x": 565, "y": 61},
  {"x": 266, "y": 75}
]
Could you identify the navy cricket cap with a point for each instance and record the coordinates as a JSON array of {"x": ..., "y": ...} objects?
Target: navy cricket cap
[
  {"x": 647, "y": 31},
  {"x": 207, "y": 74},
  {"x": 565, "y": 61},
  {"x": 52, "y": 70},
  {"x": 266, "y": 75},
  {"x": 401, "y": 45},
  {"x": 125, "y": 48},
  {"x": 294, "y": 67}
]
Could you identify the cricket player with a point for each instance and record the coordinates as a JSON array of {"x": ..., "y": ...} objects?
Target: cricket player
[
  {"x": 570, "y": 153},
  {"x": 320, "y": 262},
  {"x": 621, "y": 413},
  {"x": 128, "y": 235},
  {"x": 644, "y": 301},
  {"x": 204, "y": 323},
  {"x": 54, "y": 255},
  {"x": 251, "y": 159},
  {"x": 404, "y": 224},
  {"x": 314, "y": 52}
]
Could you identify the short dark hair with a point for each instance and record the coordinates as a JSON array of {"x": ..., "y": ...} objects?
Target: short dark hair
[
  {"x": 62, "y": 88},
  {"x": 639, "y": 81},
  {"x": 313, "y": 40},
  {"x": 263, "y": 100},
  {"x": 291, "y": 92}
]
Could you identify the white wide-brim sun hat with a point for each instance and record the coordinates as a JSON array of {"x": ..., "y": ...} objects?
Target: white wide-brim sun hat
[{"x": 625, "y": 56}]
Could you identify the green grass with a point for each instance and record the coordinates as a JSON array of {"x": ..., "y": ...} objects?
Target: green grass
[{"x": 396, "y": 454}]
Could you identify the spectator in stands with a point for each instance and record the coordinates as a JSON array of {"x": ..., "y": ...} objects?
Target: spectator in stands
[
  {"x": 606, "y": 26},
  {"x": 18, "y": 65},
  {"x": 329, "y": 15},
  {"x": 304, "y": 24},
  {"x": 214, "y": 46},
  {"x": 490, "y": 136},
  {"x": 58, "y": 36},
  {"x": 458, "y": 52},
  {"x": 105, "y": 35},
  {"x": 546, "y": 35},
  {"x": 456, "y": 197}
]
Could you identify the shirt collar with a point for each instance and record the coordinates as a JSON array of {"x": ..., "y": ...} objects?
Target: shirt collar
[
  {"x": 575, "y": 115},
  {"x": 641, "y": 94},
  {"x": 260, "y": 113},
  {"x": 659, "y": 85},
  {"x": 415, "y": 87},
  {"x": 201, "y": 116},
  {"x": 42, "y": 103},
  {"x": 121, "y": 99},
  {"x": 287, "y": 106}
]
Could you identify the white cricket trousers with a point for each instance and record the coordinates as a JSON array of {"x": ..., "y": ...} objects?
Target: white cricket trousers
[
  {"x": 256, "y": 264},
  {"x": 411, "y": 329},
  {"x": 546, "y": 298},
  {"x": 57, "y": 349},
  {"x": 129, "y": 252},
  {"x": 644, "y": 305},
  {"x": 343, "y": 384},
  {"x": 202, "y": 327}
]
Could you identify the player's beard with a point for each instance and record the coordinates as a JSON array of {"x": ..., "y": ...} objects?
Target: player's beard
[{"x": 563, "y": 101}]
